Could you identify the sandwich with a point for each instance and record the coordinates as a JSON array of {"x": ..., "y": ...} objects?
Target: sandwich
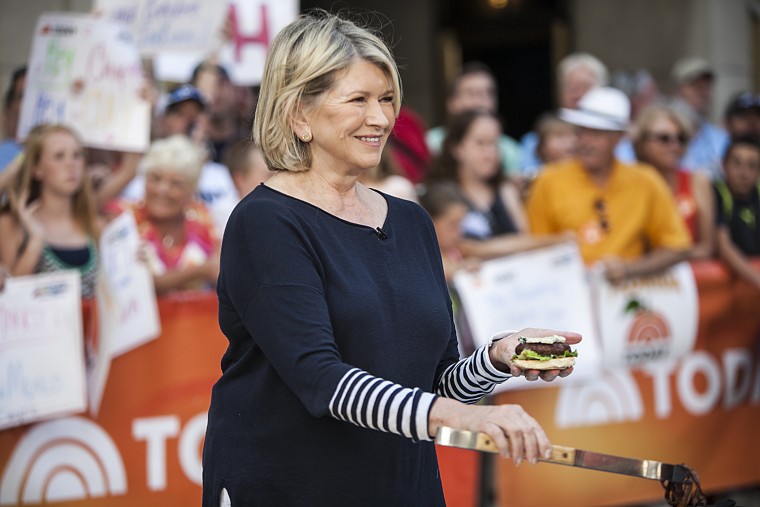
[{"x": 543, "y": 353}]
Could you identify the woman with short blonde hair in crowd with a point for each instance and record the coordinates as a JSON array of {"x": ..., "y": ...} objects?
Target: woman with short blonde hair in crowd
[{"x": 181, "y": 247}]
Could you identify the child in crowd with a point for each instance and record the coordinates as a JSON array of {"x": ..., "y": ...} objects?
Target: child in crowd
[
  {"x": 738, "y": 208},
  {"x": 246, "y": 165},
  {"x": 386, "y": 177},
  {"x": 556, "y": 141},
  {"x": 447, "y": 208},
  {"x": 49, "y": 222}
]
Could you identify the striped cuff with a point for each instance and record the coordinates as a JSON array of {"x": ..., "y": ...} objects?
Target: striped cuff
[
  {"x": 472, "y": 378},
  {"x": 490, "y": 370},
  {"x": 371, "y": 402}
]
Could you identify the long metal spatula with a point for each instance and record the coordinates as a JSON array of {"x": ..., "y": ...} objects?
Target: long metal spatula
[{"x": 561, "y": 455}]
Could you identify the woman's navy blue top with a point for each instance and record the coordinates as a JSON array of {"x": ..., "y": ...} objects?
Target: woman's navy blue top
[{"x": 304, "y": 298}]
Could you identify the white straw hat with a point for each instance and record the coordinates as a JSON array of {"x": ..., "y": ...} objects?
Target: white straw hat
[{"x": 601, "y": 108}]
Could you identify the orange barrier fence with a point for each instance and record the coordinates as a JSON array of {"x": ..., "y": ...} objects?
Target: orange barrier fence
[
  {"x": 144, "y": 446},
  {"x": 703, "y": 411}
]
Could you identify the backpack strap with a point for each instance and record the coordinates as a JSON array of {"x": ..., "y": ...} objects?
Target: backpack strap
[{"x": 726, "y": 199}]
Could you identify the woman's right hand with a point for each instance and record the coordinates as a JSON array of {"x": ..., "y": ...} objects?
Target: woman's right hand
[
  {"x": 26, "y": 215},
  {"x": 516, "y": 434}
]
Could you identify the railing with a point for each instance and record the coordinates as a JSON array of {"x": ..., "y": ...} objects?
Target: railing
[{"x": 144, "y": 446}]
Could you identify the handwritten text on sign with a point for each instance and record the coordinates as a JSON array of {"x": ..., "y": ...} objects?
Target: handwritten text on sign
[
  {"x": 544, "y": 288},
  {"x": 128, "y": 304},
  {"x": 86, "y": 73},
  {"x": 159, "y": 25},
  {"x": 41, "y": 351}
]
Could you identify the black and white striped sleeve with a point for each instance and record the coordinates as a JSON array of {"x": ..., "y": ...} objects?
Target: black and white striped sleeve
[
  {"x": 371, "y": 402},
  {"x": 471, "y": 378}
]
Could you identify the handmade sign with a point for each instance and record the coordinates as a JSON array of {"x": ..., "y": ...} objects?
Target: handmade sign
[
  {"x": 41, "y": 350},
  {"x": 252, "y": 24},
  {"x": 86, "y": 73},
  {"x": 127, "y": 306},
  {"x": 544, "y": 288},
  {"x": 158, "y": 25}
]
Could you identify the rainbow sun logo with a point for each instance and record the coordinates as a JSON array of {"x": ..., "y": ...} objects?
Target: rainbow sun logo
[
  {"x": 60, "y": 460},
  {"x": 648, "y": 338}
]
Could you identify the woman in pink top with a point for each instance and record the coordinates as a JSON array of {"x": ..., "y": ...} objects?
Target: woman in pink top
[
  {"x": 181, "y": 247},
  {"x": 660, "y": 136}
]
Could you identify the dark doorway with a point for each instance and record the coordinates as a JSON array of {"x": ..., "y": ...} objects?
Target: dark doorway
[{"x": 521, "y": 40}]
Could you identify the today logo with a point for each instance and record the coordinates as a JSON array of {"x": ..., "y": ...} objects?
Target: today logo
[
  {"x": 63, "y": 459},
  {"x": 73, "y": 458},
  {"x": 648, "y": 338},
  {"x": 701, "y": 382}
]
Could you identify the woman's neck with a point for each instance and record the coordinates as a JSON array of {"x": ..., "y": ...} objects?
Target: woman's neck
[
  {"x": 476, "y": 189},
  {"x": 338, "y": 194},
  {"x": 321, "y": 188},
  {"x": 55, "y": 207},
  {"x": 171, "y": 225}
]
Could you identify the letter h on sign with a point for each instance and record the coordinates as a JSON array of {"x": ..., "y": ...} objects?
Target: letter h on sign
[{"x": 239, "y": 39}]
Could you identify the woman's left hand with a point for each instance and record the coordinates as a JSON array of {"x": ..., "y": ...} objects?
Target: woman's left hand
[{"x": 501, "y": 353}]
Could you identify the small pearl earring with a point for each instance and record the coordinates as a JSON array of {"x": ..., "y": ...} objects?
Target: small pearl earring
[{"x": 306, "y": 137}]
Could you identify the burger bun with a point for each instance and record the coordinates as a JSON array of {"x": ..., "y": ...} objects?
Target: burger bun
[{"x": 558, "y": 363}]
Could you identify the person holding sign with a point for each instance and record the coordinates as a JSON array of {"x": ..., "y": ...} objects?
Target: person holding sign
[
  {"x": 342, "y": 361},
  {"x": 181, "y": 247},
  {"x": 50, "y": 223}
]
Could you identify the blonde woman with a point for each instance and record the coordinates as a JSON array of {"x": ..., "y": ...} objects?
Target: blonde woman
[
  {"x": 342, "y": 361},
  {"x": 49, "y": 223},
  {"x": 660, "y": 137}
]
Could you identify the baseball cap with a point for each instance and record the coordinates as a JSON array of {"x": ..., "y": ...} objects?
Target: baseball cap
[
  {"x": 601, "y": 108},
  {"x": 691, "y": 67},
  {"x": 742, "y": 102},
  {"x": 184, "y": 93}
]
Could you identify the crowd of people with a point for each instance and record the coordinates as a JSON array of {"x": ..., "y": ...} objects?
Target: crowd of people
[{"x": 640, "y": 179}]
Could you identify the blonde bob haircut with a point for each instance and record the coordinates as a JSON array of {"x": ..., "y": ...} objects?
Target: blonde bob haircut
[
  {"x": 175, "y": 153},
  {"x": 303, "y": 62}
]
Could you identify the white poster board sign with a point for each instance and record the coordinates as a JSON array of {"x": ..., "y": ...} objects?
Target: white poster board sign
[
  {"x": 127, "y": 305},
  {"x": 252, "y": 26},
  {"x": 41, "y": 348},
  {"x": 86, "y": 73},
  {"x": 544, "y": 288},
  {"x": 647, "y": 320},
  {"x": 168, "y": 24}
]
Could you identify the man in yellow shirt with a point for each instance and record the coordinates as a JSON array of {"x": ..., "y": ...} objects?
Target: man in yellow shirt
[{"x": 624, "y": 215}]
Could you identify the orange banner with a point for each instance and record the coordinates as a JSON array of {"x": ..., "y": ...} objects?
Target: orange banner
[
  {"x": 702, "y": 411},
  {"x": 144, "y": 447}
]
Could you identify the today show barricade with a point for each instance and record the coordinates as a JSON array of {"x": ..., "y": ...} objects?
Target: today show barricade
[{"x": 144, "y": 446}]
